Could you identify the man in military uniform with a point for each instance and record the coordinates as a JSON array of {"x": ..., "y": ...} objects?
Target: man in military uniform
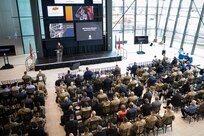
[{"x": 93, "y": 117}]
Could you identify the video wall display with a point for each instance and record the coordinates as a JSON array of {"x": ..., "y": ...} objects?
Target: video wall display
[
  {"x": 61, "y": 18},
  {"x": 79, "y": 13},
  {"x": 88, "y": 31},
  {"x": 69, "y": 1},
  {"x": 55, "y": 11},
  {"x": 60, "y": 30}
]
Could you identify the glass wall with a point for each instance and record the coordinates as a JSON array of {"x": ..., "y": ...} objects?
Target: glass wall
[
  {"x": 26, "y": 23},
  {"x": 146, "y": 17}
]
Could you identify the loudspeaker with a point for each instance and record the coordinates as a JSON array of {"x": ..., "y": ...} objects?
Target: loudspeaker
[
  {"x": 75, "y": 66},
  {"x": 163, "y": 52}
]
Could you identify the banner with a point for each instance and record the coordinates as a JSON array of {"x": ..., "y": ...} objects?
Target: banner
[{"x": 119, "y": 43}]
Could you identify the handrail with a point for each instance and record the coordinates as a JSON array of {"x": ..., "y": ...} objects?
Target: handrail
[{"x": 123, "y": 52}]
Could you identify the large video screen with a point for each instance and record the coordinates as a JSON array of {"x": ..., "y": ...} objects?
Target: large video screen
[
  {"x": 59, "y": 30},
  {"x": 88, "y": 31},
  {"x": 69, "y": 1},
  {"x": 79, "y": 13},
  {"x": 55, "y": 11}
]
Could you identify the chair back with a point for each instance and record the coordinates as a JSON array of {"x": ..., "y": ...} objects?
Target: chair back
[
  {"x": 85, "y": 114},
  {"x": 168, "y": 121},
  {"x": 92, "y": 125},
  {"x": 106, "y": 109}
]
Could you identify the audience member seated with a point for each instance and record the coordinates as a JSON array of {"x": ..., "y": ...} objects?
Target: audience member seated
[
  {"x": 124, "y": 127},
  {"x": 101, "y": 96},
  {"x": 67, "y": 113},
  {"x": 68, "y": 78},
  {"x": 132, "y": 98},
  {"x": 59, "y": 81},
  {"x": 168, "y": 113},
  {"x": 97, "y": 84},
  {"x": 138, "y": 89},
  {"x": 84, "y": 99},
  {"x": 156, "y": 105},
  {"x": 189, "y": 110},
  {"x": 126, "y": 79},
  {"x": 100, "y": 131},
  {"x": 86, "y": 132},
  {"x": 138, "y": 126},
  {"x": 147, "y": 95},
  {"x": 131, "y": 111},
  {"x": 65, "y": 104},
  {"x": 79, "y": 80},
  {"x": 71, "y": 126},
  {"x": 107, "y": 83},
  {"x": 146, "y": 107},
  {"x": 93, "y": 121},
  {"x": 150, "y": 121},
  {"x": 122, "y": 113},
  {"x": 117, "y": 71},
  {"x": 111, "y": 130},
  {"x": 36, "y": 131}
]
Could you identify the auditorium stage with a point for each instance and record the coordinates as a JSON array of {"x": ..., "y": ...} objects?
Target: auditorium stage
[{"x": 83, "y": 59}]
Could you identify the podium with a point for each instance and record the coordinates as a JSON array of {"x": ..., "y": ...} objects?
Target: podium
[
  {"x": 140, "y": 49},
  {"x": 59, "y": 55},
  {"x": 6, "y": 63}
]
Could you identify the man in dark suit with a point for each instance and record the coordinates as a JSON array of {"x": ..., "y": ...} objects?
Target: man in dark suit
[
  {"x": 79, "y": 80},
  {"x": 147, "y": 95},
  {"x": 133, "y": 69},
  {"x": 107, "y": 83},
  {"x": 71, "y": 126},
  {"x": 88, "y": 74},
  {"x": 146, "y": 108},
  {"x": 138, "y": 90}
]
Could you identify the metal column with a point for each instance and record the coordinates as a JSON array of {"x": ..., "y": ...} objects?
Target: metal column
[
  {"x": 36, "y": 28},
  {"x": 175, "y": 25},
  {"x": 167, "y": 19},
  {"x": 135, "y": 18},
  {"x": 186, "y": 25},
  {"x": 146, "y": 17},
  {"x": 108, "y": 25},
  {"x": 197, "y": 31},
  {"x": 156, "y": 21},
  {"x": 123, "y": 31}
]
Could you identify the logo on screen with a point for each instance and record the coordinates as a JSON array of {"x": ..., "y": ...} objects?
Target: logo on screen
[{"x": 90, "y": 37}]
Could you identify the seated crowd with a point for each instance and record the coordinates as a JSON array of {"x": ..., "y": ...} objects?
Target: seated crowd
[
  {"x": 22, "y": 106},
  {"x": 112, "y": 104}
]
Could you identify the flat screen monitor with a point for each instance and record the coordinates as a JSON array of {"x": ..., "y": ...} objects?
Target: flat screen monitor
[
  {"x": 8, "y": 50},
  {"x": 79, "y": 13},
  {"x": 69, "y": 1},
  {"x": 97, "y": 1},
  {"x": 59, "y": 30},
  {"x": 55, "y": 11},
  {"x": 83, "y": 12},
  {"x": 141, "y": 40},
  {"x": 88, "y": 31}
]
